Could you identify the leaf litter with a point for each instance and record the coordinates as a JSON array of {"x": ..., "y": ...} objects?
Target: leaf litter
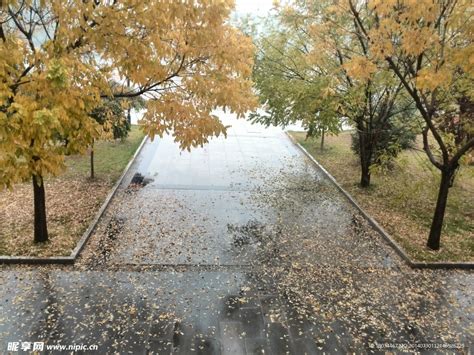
[{"x": 325, "y": 273}]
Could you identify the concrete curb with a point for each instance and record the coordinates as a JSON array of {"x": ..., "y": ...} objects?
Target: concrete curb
[
  {"x": 398, "y": 249},
  {"x": 86, "y": 235}
]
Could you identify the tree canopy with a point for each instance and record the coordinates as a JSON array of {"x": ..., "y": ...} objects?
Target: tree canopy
[
  {"x": 290, "y": 87},
  {"x": 58, "y": 58}
]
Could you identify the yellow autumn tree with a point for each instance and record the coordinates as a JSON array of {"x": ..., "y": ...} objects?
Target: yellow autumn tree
[
  {"x": 338, "y": 59},
  {"x": 58, "y": 57},
  {"x": 429, "y": 46}
]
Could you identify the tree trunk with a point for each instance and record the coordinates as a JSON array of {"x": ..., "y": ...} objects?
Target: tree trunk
[
  {"x": 365, "y": 153},
  {"x": 129, "y": 116},
  {"x": 41, "y": 230},
  {"x": 365, "y": 173},
  {"x": 92, "y": 161},
  {"x": 437, "y": 223},
  {"x": 322, "y": 139}
]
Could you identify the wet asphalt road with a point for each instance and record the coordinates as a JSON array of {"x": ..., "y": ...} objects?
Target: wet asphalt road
[{"x": 239, "y": 247}]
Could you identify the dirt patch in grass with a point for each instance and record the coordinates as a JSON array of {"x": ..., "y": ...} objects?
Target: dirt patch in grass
[
  {"x": 402, "y": 200},
  {"x": 72, "y": 200}
]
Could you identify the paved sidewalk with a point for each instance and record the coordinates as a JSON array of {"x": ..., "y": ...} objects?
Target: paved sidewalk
[{"x": 239, "y": 247}]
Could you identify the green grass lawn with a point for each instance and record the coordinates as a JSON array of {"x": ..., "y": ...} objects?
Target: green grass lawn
[
  {"x": 402, "y": 199},
  {"x": 110, "y": 157},
  {"x": 72, "y": 200}
]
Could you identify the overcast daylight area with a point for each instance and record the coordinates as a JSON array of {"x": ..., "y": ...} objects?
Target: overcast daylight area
[
  {"x": 236, "y": 177},
  {"x": 254, "y": 8}
]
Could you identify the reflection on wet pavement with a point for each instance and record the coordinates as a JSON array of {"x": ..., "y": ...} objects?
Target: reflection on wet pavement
[{"x": 239, "y": 247}]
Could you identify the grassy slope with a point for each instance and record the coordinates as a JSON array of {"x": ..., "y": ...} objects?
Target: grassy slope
[
  {"x": 403, "y": 199},
  {"x": 72, "y": 200}
]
